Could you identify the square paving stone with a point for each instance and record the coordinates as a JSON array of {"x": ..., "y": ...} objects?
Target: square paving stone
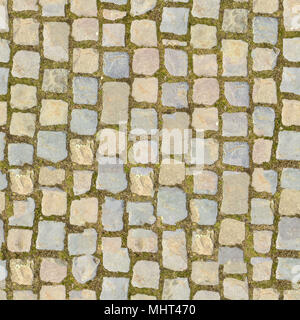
[
  {"x": 288, "y": 145},
  {"x": 264, "y": 58},
  {"x": 85, "y": 90},
  {"x": 205, "y": 273},
  {"x": 23, "y": 97},
  {"x": 116, "y": 64},
  {"x": 288, "y": 234},
  {"x": 51, "y": 146},
  {"x": 2, "y": 145},
  {"x": 54, "y": 202},
  {"x": 139, "y": 8},
  {"x": 175, "y": 20},
  {"x": 23, "y": 213},
  {"x": 263, "y": 120},
  {"x": 203, "y": 36},
  {"x": 84, "y": 210},
  {"x": 206, "y": 9},
  {"x": 85, "y": 29},
  {"x": 237, "y": 93},
  {"x": 53, "y": 112},
  {"x": 235, "y": 20},
  {"x": 206, "y": 91},
  {"x": 265, "y": 30},
  {"x": 82, "y": 151},
  {"x": 53, "y": 9},
  {"x": 140, "y": 213},
  {"x": 285, "y": 268},
  {"x": 26, "y": 64},
  {"x": 85, "y": 60},
  {"x": 114, "y": 289},
  {"x": 290, "y": 112},
  {"x": 142, "y": 181},
  {"x": 205, "y": 182},
  {"x": 291, "y": 49},
  {"x": 112, "y": 214},
  {"x": 84, "y": 121},
  {"x": 26, "y": 32},
  {"x": 20, "y": 154},
  {"x": 290, "y": 80},
  {"x": 176, "y": 62},
  {"x": 82, "y": 243},
  {"x": 113, "y": 35},
  {"x": 289, "y": 204},
  {"x": 22, "y": 124},
  {"x": 55, "y": 80},
  {"x": 171, "y": 205},
  {"x": 85, "y": 8},
  {"x": 51, "y": 235},
  {"x": 205, "y": 65},
  {"x": 176, "y": 289},
  {"x": 232, "y": 258},
  {"x": 21, "y": 5},
  {"x": 143, "y": 33},
  {"x": 145, "y": 89},
  {"x": 264, "y": 180},
  {"x": 290, "y": 178},
  {"x": 142, "y": 240},
  {"x": 145, "y": 61},
  {"x": 204, "y": 211},
  {"x": 143, "y": 121},
  {"x": 175, "y": 94},
  {"x": 262, "y": 211},
  {"x": 235, "y": 124},
  {"x": 205, "y": 119},
  {"x": 261, "y": 6},
  {"x": 236, "y": 154},
  {"x": 146, "y": 274}
]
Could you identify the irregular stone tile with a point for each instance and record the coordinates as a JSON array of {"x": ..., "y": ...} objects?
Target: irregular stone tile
[
  {"x": 25, "y": 32},
  {"x": 237, "y": 93},
  {"x": 206, "y": 295},
  {"x": 84, "y": 294},
  {"x": 23, "y": 97},
  {"x": 145, "y": 89},
  {"x": 262, "y": 268},
  {"x": 175, "y": 20},
  {"x": 142, "y": 181},
  {"x": 53, "y": 292},
  {"x": 143, "y": 121},
  {"x": 206, "y": 9},
  {"x": 146, "y": 274},
  {"x": 206, "y": 91},
  {"x": 176, "y": 289},
  {"x": 289, "y": 204},
  {"x": 205, "y": 119},
  {"x": 53, "y": 270},
  {"x": 21, "y": 181},
  {"x": 290, "y": 112},
  {"x": 140, "y": 213},
  {"x": 205, "y": 273},
  {"x": 85, "y": 90},
  {"x": 174, "y": 251},
  {"x": 290, "y": 80},
  {"x": 3, "y": 110},
  {"x": 26, "y": 64},
  {"x": 288, "y": 142},
  {"x": 291, "y": 49},
  {"x": 20, "y": 154},
  {"x": 82, "y": 181},
  {"x": 84, "y": 8},
  {"x": 235, "y": 54},
  {"x": 114, "y": 289},
  {"x": 261, "y": 6},
  {"x": 171, "y": 172},
  {"x": 175, "y": 95},
  {"x": 3, "y": 80},
  {"x": 288, "y": 234},
  {"x": 50, "y": 176},
  {"x": 176, "y": 62},
  {"x": 142, "y": 240},
  {"x": 85, "y": 60},
  {"x": 285, "y": 268},
  {"x": 205, "y": 65},
  {"x": 112, "y": 214},
  {"x": 22, "y": 124},
  {"x": 264, "y": 58},
  {"x": 232, "y": 232},
  {"x": 262, "y": 241},
  {"x": 139, "y": 7},
  {"x": 55, "y": 80},
  {"x": 113, "y": 14},
  {"x": 145, "y": 61},
  {"x": 235, "y": 124},
  {"x": 262, "y": 211},
  {"x": 291, "y": 15},
  {"x": 265, "y": 30},
  {"x": 115, "y": 103},
  {"x": 263, "y": 120},
  {"x": 82, "y": 243},
  {"x": 19, "y": 240},
  {"x": 115, "y": 258},
  {"x": 116, "y": 64},
  {"x": 51, "y": 146},
  {"x": 84, "y": 210},
  {"x": 24, "y": 295},
  {"x": 51, "y": 235},
  {"x": 85, "y": 29},
  {"x": 265, "y": 294},
  {"x": 171, "y": 205},
  {"x": 113, "y": 35},
  {"x": 232, "y": 259},
  {"x": 22, "y": 271},
  {"x": 235, "y": 20},
  {"x": 111, "y": 175},
  {"x": 264, "y": 180},
  {"x": 23, "y": 213},
  {"x": 205, "y": 182},
  {"x": 204, "y": 211},
  {"x": 84, "y": 268},
  {"x": 236, "y": 154},
  {"x": 235, "y": 289},
  {"x": 203, "y": 242},
  {"x": 53, "y": 112},
  {"x": 54, "y": 8},
  {"x": 21, "y": 5},
  {"x": 290, "y": 178},
  {"x": 203, "y": 36},
  {"x": 84, "y": 121},
  {"x": 143, "y": 33},
  {"x": 262, "y": 151},
  {"x": 4, "y": 25}
]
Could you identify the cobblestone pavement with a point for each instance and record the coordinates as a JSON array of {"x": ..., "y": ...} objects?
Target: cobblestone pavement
[{"x": 152, "y": 218}]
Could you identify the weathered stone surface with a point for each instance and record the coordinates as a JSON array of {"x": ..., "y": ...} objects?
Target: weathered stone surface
[
  {"x": 203, "y": 242},
  {"x": 84, "y": 294},
  {"x": 143, "y": 33},
  {"x": 290, "y": 112},
  {"x": 142, "y": 181},
  {"x": 21, "y": 181},
  {"x": 264, "y": 180},
  {"x": 290, "y": 178},
  {"x": 237, "y": 93},
  {"x": 205, "y": 182},
  {"x": 116, "y": 64},
  {"x": 85, "y": 8},
  {"x": 235, "y": 124},
  {"x": 82, "y": 243},
  {"x": 3, "y": 80},
  {"x": 85, "y": 29},
  {"x": 175, "y": 95},
  {"x": 23, "y": 213},
  {"x": 145, "y": 61},
  {"x": 53, "y": 270},
  {"x": 263, "y": 120},
  {"x": 22, "y": 271},
  {"x": 203, "y": 36},
  {"x": 50, "y": 176},
  {"x": 265, "y": 30},
  {"x": 24, "y": 295},
  {"x": 261, "y": 6},
  {"x": 206, "y": 9},
  {"x": 146, "y": 274},
  {"x": 174, "y": 20},
  {"x": 205, "y": 272},
  {"x": 53, "y": 292},
  {"x": 25, "y": 32},
  {"x": 4, "y": 26},
  {"x": 23, "y": 97},
  {"x": 55, "y": 80},
  {"x": 145, "y": 89},
  {"x": 113, "y": 35},
  {"x": 236, "y": 154},
  {"x": 84, "y": 121},
  {"x": 205, "y": 65},
  {"x": 20, "y": 154},
  {"x": 176, "y": 289},
  {"x": 84, "y": 268},
  {"x": 54, "y": 202},
  {"x": 85, "y": 90},
  {"x": 235, "y": 20},
  {"x": 53, "y": 112},
  {"x": 262, "y": 268},
  {"x": 19, "y": 240},
  {"x": 3, "y": 110},
  {"x": 262, "y": 241},
  {"x": 232, "y": 232},
  {"x": 232, "y": 259},
  {"x": 206, "y": 295},
  {"x": 285, "y": 268},
  {"x": 235, "y": 289},
  {"x": 204, "y": 211},
  {"x": 26, "y": 64},
  {"x": 288, "y": 142},
  {"x": 262, "y": 211},
  {"x": 139, "y": 7},
  {"x": 23, "y": 124},
  {"x": 84, "y": 211},
  {"x": 114, "y": 289},
  {"x": 142, "y": 240},
  {"x": 144, "y": 152},
  {"x": 21, "y": 5},
  {"x": 140, "y": 213},
  {"x": 176, "y": 62},
  {"x": 206, "y": 91},
  {"x": 112, "y": 214},
  {"x": 143, "y": 121},
  {"x": 82, "y": 181},
  {"x": 265, "y": 294},
  {"x": 264, "y": 58},
  {"x": 262, "y": 151},
  {"x": 85, "y": 60},
  {"x": 51, "y": 235},
  {"x": 288, "y": 234},
  {"x": 290, "y": 80},
  {"x": 54, "y": 8}
]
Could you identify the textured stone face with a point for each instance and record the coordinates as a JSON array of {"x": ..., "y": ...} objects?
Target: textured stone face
[{"x": 174, "y": 20}]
